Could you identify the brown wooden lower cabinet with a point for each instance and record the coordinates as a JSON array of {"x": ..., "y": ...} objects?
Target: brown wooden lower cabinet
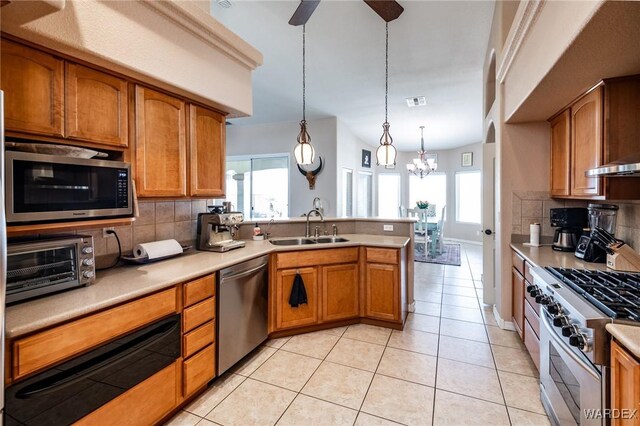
[
  {"x": 382, "y": 292},
  {"x": 145, "y": 404},
  {"x": 288, "y": 316},
  {"x": 625, "y": 384},
  {"x": 198, "y": 370},
  {"x": 517, "y": 301},
  {"x": 532, "y": 342},
  {"x": 340, "y": 292}
]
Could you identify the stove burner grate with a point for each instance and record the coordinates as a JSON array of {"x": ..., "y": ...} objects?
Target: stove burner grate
[{"x": 617, "y": 294}]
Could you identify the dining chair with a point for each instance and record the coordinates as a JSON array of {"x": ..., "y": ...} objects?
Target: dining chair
[
  {"x": 437, "y": 238},
  {"x": 420, "y": 227}
]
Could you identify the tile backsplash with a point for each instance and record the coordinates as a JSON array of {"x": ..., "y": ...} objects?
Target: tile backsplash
[
  {"x": 533, "y": 207},
  {"x": 158, "y": 220}
]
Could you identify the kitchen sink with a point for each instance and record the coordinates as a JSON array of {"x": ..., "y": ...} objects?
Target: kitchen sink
[
  {"x": 303, "y": 241},
  {"x": 331, "y": 240},
  {"x": 293, "y": 242}
]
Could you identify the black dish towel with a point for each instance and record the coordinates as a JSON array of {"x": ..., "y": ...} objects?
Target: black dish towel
[{"x": 298, "y": 292}]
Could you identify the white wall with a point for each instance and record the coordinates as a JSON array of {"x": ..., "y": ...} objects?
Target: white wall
[
  {"x": 280, "y": 138},
  {"x": 449, "y": 162},
  {"x": 349, "y": 156}
]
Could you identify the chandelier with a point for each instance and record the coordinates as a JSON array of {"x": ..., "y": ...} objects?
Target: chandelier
[{"x": 422, "y": 166}]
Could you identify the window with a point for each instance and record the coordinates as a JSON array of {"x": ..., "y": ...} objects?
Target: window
[
  {"x": 347, "y": 193},
  {"x": 388, "y": 194},
  {"x": 469, "y": 196},
  {"x": 432, "y": 188},
  {"x": 365, "y": 194},
  {"x": 259, "y": 186}
]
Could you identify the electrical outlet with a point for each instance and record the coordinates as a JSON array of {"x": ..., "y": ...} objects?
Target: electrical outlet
[
  {"x": 388, "y": 228},
  {"x": 105, "y": 234}
]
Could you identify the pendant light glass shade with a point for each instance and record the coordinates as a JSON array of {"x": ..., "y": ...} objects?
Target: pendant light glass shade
[
  {"x": 386, "y": 153},
  {"x": 303, "y": 151}
]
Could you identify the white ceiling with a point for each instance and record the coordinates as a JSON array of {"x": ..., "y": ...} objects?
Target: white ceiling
[{"x": 436, "y": 49}]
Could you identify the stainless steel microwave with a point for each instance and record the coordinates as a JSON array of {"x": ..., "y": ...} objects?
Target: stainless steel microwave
[{"x": 41, "y": 187}]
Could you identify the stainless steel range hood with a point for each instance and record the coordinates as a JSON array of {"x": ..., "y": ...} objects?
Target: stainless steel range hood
[{"x": 626, "y": 166}]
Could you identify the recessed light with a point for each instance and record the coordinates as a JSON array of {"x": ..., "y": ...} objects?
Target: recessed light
[{"x": 416, "y": 101}]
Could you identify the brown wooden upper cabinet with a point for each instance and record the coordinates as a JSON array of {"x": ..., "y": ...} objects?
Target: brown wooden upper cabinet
[
  {"x": 586, "y": 143},
  {"x": 600, "y": 127},
  {"x": 161, "y": 144},
  {"x": 207, "y": 152},
  {"x": 95, "y": 106},
  {"x": 34, "y": 88},
  {"x": 561, "y": 155}
]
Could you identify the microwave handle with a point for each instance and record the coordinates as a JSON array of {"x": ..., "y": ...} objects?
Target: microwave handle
[{"x": 94, "y": 365}]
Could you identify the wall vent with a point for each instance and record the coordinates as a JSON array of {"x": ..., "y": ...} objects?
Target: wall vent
[{"x": 416, "y": 101}]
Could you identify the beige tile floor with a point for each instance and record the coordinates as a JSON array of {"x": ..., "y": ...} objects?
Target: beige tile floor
[{"x": 450, "y": 366}]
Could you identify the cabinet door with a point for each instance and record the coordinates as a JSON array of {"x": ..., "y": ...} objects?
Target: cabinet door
[
  {"x": 383, "y": 292},
  {"x": 32, "y": 82},
  {"x": 207, "y": 152},
  {"x": 586, "y": 143},
  {"x": 517, "y": 301},
  {"x": 161, "y": 145},
  {"x": 307, "y": 314},
  {"x": 340, "y": 295},
  {"x": 96, "y": 106},
  {"x": 561, "y": 155},
  {"x": 625, "y": 384}
]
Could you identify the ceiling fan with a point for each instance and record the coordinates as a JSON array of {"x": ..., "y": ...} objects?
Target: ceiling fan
[{"x": 387, "y": 9}]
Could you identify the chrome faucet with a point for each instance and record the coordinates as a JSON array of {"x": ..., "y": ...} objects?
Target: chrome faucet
[{"x": 307, "y": 232}]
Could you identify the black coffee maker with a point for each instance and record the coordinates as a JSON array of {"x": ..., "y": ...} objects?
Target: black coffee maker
[{"x": 569, "y": 223}]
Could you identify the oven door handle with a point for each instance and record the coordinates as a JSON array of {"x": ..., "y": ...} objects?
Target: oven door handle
[
  {"x": 96, "y": 364},
  {"x": 562, "y": 346}
]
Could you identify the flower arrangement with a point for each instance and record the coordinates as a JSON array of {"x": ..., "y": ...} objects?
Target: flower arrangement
[{"x": 422, "y": 204}]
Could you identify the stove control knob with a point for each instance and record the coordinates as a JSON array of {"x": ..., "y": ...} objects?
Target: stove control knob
[
  {"x": 568, "y": 330},
  {"x": 535, "y": 292},
  {"x": 553, "y": 308},
  {"x": 543, "y": 299},
  {"x": 580, "y": 341},
  {"x": 87, "y": 250},
  {"x": 87, "y": 262},
  {"x": 560, "y": 321},
  {"x": 88, "y": 274},
  {"x": 531, "y": 287}
]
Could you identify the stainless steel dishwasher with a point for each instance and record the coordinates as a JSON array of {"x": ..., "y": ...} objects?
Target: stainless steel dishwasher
[{"x": 242, "y": 310}]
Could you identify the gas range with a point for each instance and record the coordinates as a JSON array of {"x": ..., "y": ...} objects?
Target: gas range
[{"x": 616, "y": 294}]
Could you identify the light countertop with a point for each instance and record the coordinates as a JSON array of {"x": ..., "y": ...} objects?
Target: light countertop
[
  {"x": 129, "y": 282},
  {"x": 627, "y": 335},
  {"x": 546, "y": 256}
]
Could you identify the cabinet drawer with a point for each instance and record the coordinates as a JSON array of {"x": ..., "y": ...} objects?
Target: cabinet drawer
[
  {"x": 198, "y": 314},
  {"x": 52, "y": 346},
  {"x": 518, "y": 262},
  {"x": 198, "y": 370},
  {"x": 144, "y": 404},
  {"x": 532, "y": 316},
  {"x": 381, "y": 255},
  {"x": 198, "y": 339},
  {"x": 532, "y": 343},
  {"x": 200, "y": 289},
  {"x": 316, "y": 257}
]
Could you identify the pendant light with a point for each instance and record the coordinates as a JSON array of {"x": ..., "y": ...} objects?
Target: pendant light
[
  {"x": 386, "y": 153},
  {"x": 303, "y": 151},
  {"x": 421, "y": 166}
]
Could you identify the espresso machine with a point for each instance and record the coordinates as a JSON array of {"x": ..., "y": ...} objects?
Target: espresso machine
[
  {"x": 216, "y": 231},
  {"x": 601, "y": 216},
  {"x": 569, "y": 223}
]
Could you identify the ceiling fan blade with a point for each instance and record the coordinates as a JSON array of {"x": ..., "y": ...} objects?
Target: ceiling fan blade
[
  {"x": 387, "y": 9},
  {"x": 303, "y": 12}
]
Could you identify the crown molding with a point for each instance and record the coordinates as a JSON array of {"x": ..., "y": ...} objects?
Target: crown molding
[
  {"x": 205, "y": 27},
  {"x": 525, "y": 18}
]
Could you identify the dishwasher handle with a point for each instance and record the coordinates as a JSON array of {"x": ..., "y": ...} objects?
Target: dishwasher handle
[{"x": 243, "y": 274}]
